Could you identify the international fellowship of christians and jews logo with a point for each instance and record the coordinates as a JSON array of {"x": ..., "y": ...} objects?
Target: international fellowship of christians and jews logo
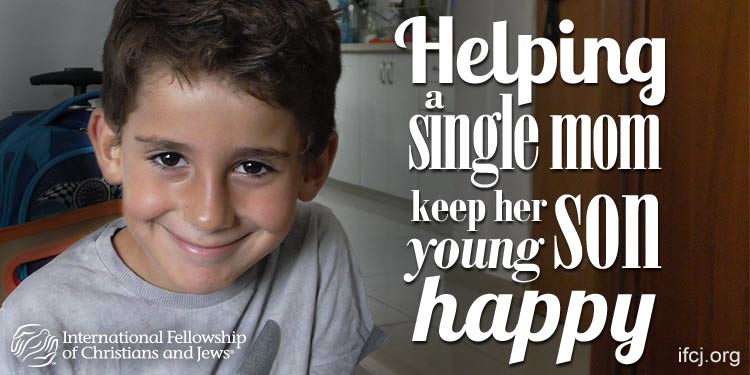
[{"x": 33, "y": 345}]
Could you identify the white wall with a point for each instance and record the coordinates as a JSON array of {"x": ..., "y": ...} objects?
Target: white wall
[
  {"x": 39, "y": 36},
  {"x": 474, "y": 18}
]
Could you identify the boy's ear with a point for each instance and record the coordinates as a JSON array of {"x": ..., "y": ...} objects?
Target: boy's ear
[
  {"x": 106, "y": 147},
  {"x": 316, "y": 171}
]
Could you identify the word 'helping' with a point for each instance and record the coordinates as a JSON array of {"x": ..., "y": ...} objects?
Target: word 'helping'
[{"x": 651, "y": 94}]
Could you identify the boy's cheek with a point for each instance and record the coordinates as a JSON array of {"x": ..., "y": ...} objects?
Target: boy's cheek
[
  {"x": 144, "y": 196},
  {"x": 271, "y": 208}
]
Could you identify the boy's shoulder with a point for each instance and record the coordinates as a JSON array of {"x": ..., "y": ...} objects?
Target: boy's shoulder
[
  {"x": 317, "y": 240},
  {"x": 313, "y": 219},
  {"x": 52, "y": 296},
  {"x": 62, "y": 280},
  {"x": 314, "y": 210}
]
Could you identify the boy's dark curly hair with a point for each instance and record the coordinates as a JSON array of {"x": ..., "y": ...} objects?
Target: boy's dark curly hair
[{"x": 284, "y": 52}]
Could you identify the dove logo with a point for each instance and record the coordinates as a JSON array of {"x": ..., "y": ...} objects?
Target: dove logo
[{"x": 34, "y": 345}]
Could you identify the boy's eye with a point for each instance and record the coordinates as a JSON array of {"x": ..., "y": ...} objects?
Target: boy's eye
[
  {"x": 253, "y": 168},
  {"x": 170, "y": 159}
]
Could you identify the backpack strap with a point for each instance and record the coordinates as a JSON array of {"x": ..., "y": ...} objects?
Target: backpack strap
[
  {"x": 51, "y": 114},
  {"x": 17, "y": 141}
]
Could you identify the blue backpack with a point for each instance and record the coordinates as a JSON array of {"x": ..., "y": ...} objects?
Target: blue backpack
[{"x": 47, "y": 163}]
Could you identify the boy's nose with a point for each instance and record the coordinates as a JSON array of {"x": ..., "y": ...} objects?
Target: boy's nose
[{"x": 208, "y": 206}]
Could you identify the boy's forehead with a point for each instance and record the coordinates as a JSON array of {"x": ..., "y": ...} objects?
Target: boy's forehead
[
  {"x": 209, "y": 105},
  {"x": 159, "y": 79}
]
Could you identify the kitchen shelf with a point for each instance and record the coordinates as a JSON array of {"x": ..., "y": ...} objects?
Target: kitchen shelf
[{"x": 370, "y": 47}]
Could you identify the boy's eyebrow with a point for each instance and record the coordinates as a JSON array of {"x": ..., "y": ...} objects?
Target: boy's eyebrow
[
  {"x": 254, "y": 152},
  {"x": 244, "y": 152},
  {"x": 158, "y": 143}
]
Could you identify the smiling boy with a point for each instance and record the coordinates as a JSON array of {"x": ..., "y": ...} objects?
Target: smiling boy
[
  {"x": 213, "y": 176},
  {"x": 217, "y": 120}
]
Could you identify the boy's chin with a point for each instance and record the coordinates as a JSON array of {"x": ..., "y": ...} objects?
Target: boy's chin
[
  {"x": 206, "y": 284},
  {"x": 202, "y": 289}
]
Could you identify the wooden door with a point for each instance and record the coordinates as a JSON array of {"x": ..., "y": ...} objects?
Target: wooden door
[{"x": 702, "y": 289}]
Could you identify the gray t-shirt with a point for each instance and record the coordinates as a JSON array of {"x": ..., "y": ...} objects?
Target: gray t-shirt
[{"x": 87, "y": 313}]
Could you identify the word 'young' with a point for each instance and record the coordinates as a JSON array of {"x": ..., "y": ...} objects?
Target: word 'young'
[{"x": 486, "y": 253}]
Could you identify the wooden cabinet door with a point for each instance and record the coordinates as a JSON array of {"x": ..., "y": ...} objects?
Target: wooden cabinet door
[
  {"x": 388, "y": 100},
  {"x": 346, "y": 167},
  {"x": 375, "y": 127},
  {"x": 402, "y": 102}
]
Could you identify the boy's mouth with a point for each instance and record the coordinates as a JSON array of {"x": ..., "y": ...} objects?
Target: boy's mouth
[{"x": 215, "y": 250}]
